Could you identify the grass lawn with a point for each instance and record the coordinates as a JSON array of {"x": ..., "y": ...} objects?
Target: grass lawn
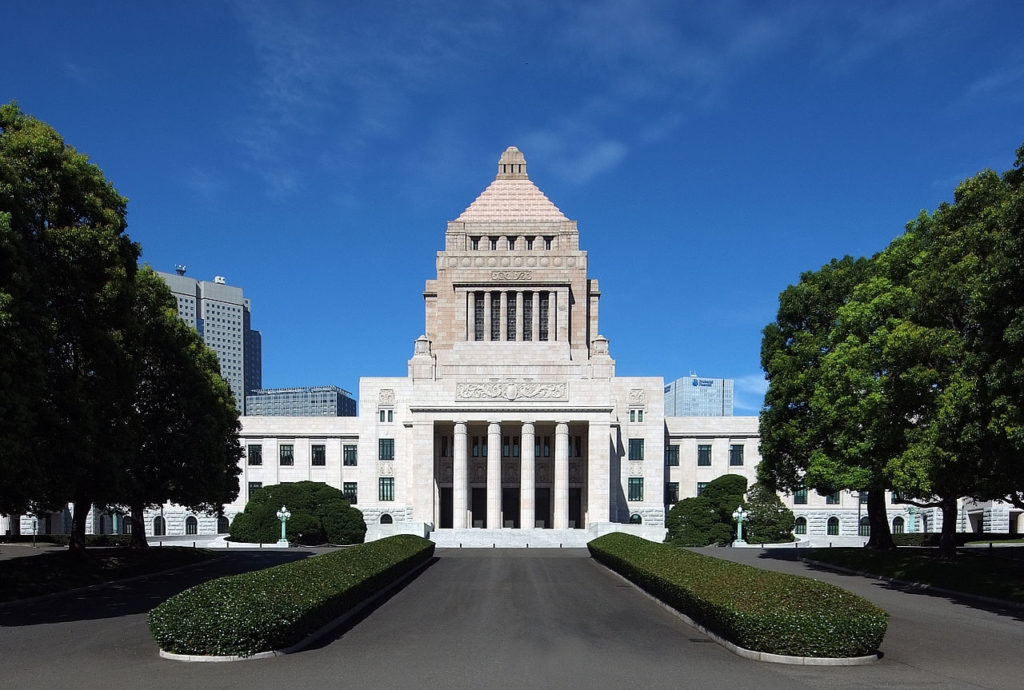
[
  {"x": 57, "y": 571},
  {"x": 973, "y": 572}
]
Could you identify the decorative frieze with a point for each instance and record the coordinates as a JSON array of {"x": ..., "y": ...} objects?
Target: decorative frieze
[
  {"x": 386, "y": 396},
  {"x": 511, "y": 275},
  {"x": 386, "y": 468},
  {"x": 636, "y": 469},
  {"x": 637, "y": 396},
  {"x": 510, "y": 390}
]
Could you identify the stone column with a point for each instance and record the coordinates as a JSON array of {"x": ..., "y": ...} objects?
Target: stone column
[
  {"x": 503, "y": 316},
  {"x": 493, "y": 475},
  {"x": 487, "y": 315},
  {"x": 519, "y": 315},
  {"x": 527, "y": 483},
  {"x": 552, "y": 311},
  {"x": 560, "y": 520},
  {"x": 460, "y": 483},
  {"x": 535, "y": 316}
]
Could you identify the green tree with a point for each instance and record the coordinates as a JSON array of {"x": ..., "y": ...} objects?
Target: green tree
[
  {"x": 319, "y": 514},
  {"x": 181, "y": 423},
  {"x": 769, "y": 520},
  {"x": 814, "y": 376},
  {"x": 64, "y": 294},
  {"x": 707, "y": 519}
]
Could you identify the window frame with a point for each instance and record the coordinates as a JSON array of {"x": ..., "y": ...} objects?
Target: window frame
[
  {"x": 386, "y": 489},
  {"x": 318, "y": 455},
  {"x": 286, "y": 455},
  {"x": 346, "y": 460},
  {"x": 252, "y": 461},
  {"x": 385, "y": 449},
  {"x": 636, "y": 449},
  {"x": 635, "y": 489},
  {"x": 704, "y": 452},
  {"x": 672, "y": 455},
  {"x": 736, "y": 455}
]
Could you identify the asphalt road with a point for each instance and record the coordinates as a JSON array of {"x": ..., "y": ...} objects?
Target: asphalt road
[{"x": 484, "y": 618}]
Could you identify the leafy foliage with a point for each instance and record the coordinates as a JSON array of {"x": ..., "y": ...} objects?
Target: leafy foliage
[
  {"x": 277, "y": 607},
  {"x": 769, "y": 521},
  {"x": 752, "y": 608},
  {"x": 320, "y": 514},
  {"x": 707, "y": 519}
]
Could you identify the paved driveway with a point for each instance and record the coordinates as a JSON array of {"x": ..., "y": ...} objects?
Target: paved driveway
[{"x": 474, "y": 619}]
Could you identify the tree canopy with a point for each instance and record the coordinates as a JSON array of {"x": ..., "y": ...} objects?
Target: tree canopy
[
  {"x": 707, "y": 519},
  {"x": 320, "y": 514},
  {"x": 906, "y": 371}
]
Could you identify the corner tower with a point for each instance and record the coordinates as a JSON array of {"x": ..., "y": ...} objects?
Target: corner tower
[{"x": 512, "y": 297}]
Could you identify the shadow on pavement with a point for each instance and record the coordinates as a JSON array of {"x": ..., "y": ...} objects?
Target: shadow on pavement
[{"x": 138, "y": 596}]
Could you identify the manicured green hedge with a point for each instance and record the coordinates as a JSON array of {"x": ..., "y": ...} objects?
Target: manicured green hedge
[
  {"x": 277, "y": 607},
  {"x": 752, "y": 608}
]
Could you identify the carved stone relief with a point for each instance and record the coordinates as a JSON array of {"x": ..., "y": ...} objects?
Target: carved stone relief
[
  {"x": 637, "y": 396},
  {"x": 511, "y": 390},
  {"x": 387, "y": 396},
  {"x": 386, "y": 469},
  {"x": 511, "y": 275},
  {"x": 636, "y": 469}
]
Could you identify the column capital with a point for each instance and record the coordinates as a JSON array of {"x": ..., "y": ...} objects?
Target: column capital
[
  {"x": 528, "y": 427},
  {"x": 460, "y": 427},
  {"x": 561, "y": 427},
  {"x": 493, "y": 427}
]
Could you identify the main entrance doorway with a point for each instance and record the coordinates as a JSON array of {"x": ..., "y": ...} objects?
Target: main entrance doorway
[
  {"x": 510, "y": 507},
  {"x": 542, "y": 506}
]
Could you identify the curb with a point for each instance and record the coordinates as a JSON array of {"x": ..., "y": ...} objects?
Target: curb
[
  {"x": 106, "y": 583},
  {"x": 917, "y": 585},
  {"x": 313, "y": 636},
  {"x": 742, "y": 651}
]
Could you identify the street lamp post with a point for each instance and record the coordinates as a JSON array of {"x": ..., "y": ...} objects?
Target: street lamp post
[
  {"x": 739, "y": 515},
  {"x": 283, "y": 516},
  {"x": 35, "y": 529}
]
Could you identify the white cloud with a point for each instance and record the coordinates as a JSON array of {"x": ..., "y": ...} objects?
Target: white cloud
[{"x": 748, "y": 393}]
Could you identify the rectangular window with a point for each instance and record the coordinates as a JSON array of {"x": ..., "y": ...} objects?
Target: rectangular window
[
  {"x": 495, "y": 316},
  {"x": 636, "y": 449},
  {"x": 529, "y": 244},
  {"x": 636, "y": 489},
  {"x": 387, "y": 415},
  {"x": 543, "y": 310},
  {"x": 863, "y": 498},
  {"x": 387, "y": 489},
  {"x": 474, "y": 243},
  {"x": 255, "y": 455},
  {"x": 632, "y": 416},
  {"x": 478, "y": 315},
  {"x": 286, "y": 454},
  {"x": 506, "y": 447},
  {"x": 515, "y": 446},
  {"x": 700, "y": 487},
  {"x": 800, "y": 497},
  {"x": 476, "y": 446},
  {"x": 254, "y": 486},
  {"x": 318, "y": 455},
  {"x": 444, "y": 446},
  {"x": 386, "y": 448},
  {"x": 547, "y": 243},
  {"x": 494, "y": 244},
  {"x": 351, "y": 491},
  {"x": 704, "y": 455},
  {"x": 639, "y": 415},
  {"x": 672, "y": 456},
  {"x": 382, "y": 415},
  {"x": 391, "y": 414},
  {"x": 671, "y": 493},
  {"x": 832, "y": 499},
  {"x": 349, "y": 456},
  {"x": 510, "y": 317},
  {"x": 735, "y": 454}
]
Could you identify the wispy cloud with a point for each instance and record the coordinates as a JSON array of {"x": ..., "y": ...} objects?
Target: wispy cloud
[
  {"x": 748, "y": 393},
  {"x": 203, "y": 182}
]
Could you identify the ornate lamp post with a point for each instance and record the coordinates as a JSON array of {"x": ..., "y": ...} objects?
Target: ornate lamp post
[
  {"x": 739, "y": 515},
  {"x": 283, "y": 516}
]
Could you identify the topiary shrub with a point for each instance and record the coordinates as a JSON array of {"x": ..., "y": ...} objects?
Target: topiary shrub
[
  {"x": 320, "y": 514},
  {"x": 769, "y": 520},
  {"x": 755, "y": 609},
  {"x": 277, "y": 607},
  {"x": 707, "y": 519}
]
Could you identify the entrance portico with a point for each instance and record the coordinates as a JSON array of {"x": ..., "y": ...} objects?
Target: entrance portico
[{"x": 510, "y": 473}]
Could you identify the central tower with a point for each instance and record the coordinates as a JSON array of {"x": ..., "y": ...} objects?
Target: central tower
[{"x": 512, "y": 298}]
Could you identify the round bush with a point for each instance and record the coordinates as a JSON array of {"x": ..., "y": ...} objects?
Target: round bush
[{"x": 319, "y": 514}]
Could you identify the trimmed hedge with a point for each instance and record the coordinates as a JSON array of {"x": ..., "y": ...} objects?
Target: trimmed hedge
[
  {"x": 756, "y": 609},
  {"x": 275, "y": 608}
]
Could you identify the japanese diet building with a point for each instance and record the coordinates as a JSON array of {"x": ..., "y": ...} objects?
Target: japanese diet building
[{"x": 511, "y": 417}]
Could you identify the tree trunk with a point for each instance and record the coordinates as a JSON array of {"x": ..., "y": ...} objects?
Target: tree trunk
[
  {"x": 138, "y": 529},
  {"x": 76, "y": 542},
  {"x": 947, "y": 540},
  {"x": 881, "y": 537}
]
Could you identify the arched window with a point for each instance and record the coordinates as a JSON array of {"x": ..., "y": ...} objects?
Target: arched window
[
  {"x": 159, "y": 526},
  {"x": 897, "y": 525},
  {"x": 386, "y": 519},
  {"x": 223, "y": 525},
  {"x": 864, "y": 529},
  {"x": 635, "y": 519},
  {"x": 801, "y": 525},
  {"x": 191, "y": 525},
  {"x": 833, "y": 526}
]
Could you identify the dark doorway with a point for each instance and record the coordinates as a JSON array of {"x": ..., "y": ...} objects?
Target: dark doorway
[
  {"x": 510, "y": 506},
  {"x": 479, "y": 507},
  {"x": 446, "y": 508},
  {"x": 576, "y": 508},
  {"x": 542, "y": 506}
]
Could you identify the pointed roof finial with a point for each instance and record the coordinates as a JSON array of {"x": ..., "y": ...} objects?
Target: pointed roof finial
[{"x": 512, "y": 165}]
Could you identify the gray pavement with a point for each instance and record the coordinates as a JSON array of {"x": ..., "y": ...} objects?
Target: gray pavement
[{"x": 489, "y": 618}]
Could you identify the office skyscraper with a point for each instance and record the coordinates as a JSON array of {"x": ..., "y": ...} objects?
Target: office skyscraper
[
  {"x": 695, "y": 396},
  {"x": 221, "y": 315}
]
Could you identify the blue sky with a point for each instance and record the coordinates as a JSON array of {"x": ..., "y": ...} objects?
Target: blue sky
[{"x": 312, "y": 152}]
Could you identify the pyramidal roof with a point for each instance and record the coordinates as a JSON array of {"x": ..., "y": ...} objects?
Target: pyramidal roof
[{"x": 512, "y": 197}]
